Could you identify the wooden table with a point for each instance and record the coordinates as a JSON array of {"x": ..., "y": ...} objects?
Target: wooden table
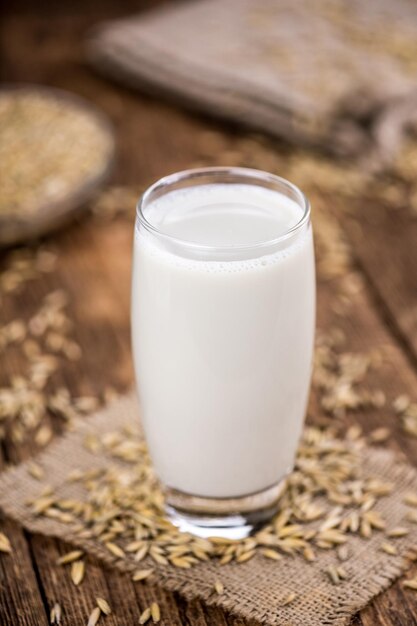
[{"x": 154, "y": 138}]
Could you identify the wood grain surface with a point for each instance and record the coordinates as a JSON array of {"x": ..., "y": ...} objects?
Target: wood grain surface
[{"x": 45, "y": 45}]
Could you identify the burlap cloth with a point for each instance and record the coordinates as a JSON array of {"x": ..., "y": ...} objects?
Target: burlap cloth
[
  {"x": 332, "y": 74},
  {"x": 254, "y": 589}
]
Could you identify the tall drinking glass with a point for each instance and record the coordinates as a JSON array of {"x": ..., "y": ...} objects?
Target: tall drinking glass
[{"x": 223, "y": 313}]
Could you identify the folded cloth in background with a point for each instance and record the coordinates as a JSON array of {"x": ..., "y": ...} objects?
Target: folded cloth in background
[{"x": 330, "y": 74}]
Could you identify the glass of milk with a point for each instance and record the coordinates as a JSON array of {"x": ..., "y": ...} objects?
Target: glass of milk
[{"x": 223, "y": 315}]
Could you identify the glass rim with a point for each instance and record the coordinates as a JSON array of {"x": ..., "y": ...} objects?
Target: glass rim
[{"x": 258, "y": 176}]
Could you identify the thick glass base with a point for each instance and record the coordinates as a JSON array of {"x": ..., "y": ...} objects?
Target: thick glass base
[{"x": 229, "y": 518}]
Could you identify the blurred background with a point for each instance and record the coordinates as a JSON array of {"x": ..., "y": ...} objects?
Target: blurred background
[{"x": 99, "y": 99}]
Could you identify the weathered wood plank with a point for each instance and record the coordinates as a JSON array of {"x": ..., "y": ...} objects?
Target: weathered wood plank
[
  {"x": 197, "y": 614},
  {"x": 385, "y": 243},
  {"x": 78, "y": 602},
  {"x": 396, "y": 606},
  {"x": 20, "y": 599}
]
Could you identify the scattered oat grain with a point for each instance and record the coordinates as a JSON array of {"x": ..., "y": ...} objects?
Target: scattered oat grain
[
  {"x": 142, "y": 574},
  {"x": 77, "y": 572},
  {"x": 219, "y": 587},
  {"x": 145, "y": 616},
  {"x": 103, "y": 605},
  {"x": 56, "y": 613},
  {"x": 411, "y": 583},
  {"x": 400, "y": 531},
  {"x": 5, "y": 545},
  {"x": 379, "y": 435},
  {"x": 74, "y": 555},
  {"x": 94, "y": 616},
  {"x": 389, "y": 548},
  {"x": 289, "y": 599},
  {"x": 410, "y": 499}
]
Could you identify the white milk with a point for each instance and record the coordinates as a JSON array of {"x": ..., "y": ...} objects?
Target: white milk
[{"x": 223, "y": 349}]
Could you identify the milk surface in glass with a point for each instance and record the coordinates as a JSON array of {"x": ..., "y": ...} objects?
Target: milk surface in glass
[{"x": 223, "y": 347}]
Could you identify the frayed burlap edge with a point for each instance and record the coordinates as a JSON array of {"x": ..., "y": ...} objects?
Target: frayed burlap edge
[{"x": 252, "y": 590}]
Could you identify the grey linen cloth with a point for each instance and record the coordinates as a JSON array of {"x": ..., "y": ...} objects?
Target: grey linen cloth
[{"x": 341, "y": 76}]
